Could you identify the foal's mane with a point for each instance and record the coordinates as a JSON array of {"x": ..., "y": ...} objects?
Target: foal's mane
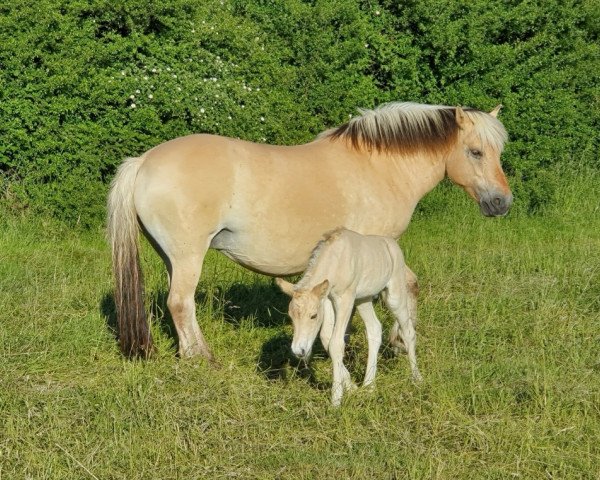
[
  {"x": 404, "y": 127},
  {"x": 328, "y": 238}
]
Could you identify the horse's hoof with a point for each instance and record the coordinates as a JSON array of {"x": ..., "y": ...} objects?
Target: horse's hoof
[{"x": 214, "y": 363}]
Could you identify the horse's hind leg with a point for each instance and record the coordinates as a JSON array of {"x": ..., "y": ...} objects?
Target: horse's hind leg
[
  {"x": 395, "y": 339},
  {"x": 185, "y": 273},
  {"x": 183, "y": 253},
  {"x": 397, "y": 301}
]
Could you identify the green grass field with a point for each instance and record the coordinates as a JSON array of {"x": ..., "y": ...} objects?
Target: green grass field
[{"x": 508, "y": 344}]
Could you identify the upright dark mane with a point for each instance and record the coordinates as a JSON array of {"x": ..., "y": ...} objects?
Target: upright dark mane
[{"x": 402, "y": 127}]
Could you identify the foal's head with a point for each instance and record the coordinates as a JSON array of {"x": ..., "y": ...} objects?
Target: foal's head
[
  {"x": 306, "y": 313},
  {"x": 474, "y": 163}
]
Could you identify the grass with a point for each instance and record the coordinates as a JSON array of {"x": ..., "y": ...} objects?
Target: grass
[{"x": 508, "y": 347}]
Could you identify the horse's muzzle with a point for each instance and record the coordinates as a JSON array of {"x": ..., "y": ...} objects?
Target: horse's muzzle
[{"x": 495, "y": 204}]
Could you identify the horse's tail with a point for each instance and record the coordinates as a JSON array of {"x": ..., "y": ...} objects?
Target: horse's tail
[{"x": 135, "y": 338}]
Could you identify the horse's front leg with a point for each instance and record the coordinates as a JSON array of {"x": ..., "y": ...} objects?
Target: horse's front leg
[
  {"x": 328, "y": 323},
  {"x": 373, "y": 327},
  {"x": 341, "y": 375}
]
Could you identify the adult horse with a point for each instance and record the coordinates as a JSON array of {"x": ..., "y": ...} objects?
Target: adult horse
[{"x": 267, "y": 206}]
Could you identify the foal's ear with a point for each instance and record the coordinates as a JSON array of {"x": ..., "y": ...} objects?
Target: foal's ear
[
  {"x": 286, "y": 287},
  {"x": 321, "y": 289},
  {"x": 494, "y": 113}
]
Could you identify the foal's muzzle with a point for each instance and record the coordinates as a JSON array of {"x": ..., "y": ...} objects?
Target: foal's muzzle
[
  {"x": 301, "y": 353},
  {"x": 495, "y": 204}
]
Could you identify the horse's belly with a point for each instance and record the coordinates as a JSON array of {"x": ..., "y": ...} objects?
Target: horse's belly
[{"x": 263, "y": 253}]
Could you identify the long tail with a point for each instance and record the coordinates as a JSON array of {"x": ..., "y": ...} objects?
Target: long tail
[{"x": 135, "y": 338}]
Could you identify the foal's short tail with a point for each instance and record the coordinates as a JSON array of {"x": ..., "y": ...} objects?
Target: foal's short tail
[{"x": 134, "y": 333}]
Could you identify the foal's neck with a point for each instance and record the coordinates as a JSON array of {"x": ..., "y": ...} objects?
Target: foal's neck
[{"x": 316, "y": 272}]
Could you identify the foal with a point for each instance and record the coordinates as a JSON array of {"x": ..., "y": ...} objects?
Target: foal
[{"x": 348, "y": 269}]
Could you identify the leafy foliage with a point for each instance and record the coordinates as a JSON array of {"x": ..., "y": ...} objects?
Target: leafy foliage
[{"x": 84, "y": 84}]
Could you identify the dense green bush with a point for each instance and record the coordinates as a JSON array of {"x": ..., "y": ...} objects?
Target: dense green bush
[{"x": 84, "y": 84}]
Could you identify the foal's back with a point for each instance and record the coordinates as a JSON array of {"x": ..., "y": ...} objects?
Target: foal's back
[{"x": 362, "y": 264}]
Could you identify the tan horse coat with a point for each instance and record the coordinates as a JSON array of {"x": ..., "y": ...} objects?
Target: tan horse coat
[{"x": 267, "y": 206}]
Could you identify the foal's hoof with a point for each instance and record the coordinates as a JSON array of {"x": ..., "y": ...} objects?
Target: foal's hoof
[
  {"x": 398, "y": 347},
  {"x": 351, "y": 386}
]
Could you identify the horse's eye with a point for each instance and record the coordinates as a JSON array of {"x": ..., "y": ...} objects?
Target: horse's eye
[
  {"x": 476, "y": 153},
  {"x": 312, "y": 317}
]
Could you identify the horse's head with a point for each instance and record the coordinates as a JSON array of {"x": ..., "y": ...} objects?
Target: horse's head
[
  {"x": 306, "y": 314},
  {"x": 474, "y": 163}
]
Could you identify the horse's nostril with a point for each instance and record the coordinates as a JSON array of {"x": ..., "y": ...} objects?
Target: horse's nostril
[{"x": 497, "y": 201}]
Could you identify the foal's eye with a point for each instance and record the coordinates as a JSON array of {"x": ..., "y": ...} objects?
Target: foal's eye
[
  {"x": 312, "y": 317},
  {"x": 476, "y": 153}
]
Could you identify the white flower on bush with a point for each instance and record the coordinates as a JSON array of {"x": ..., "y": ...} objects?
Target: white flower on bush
[
  {"x": 150, "y": 96},
  {"x": 133, "y": 105}
]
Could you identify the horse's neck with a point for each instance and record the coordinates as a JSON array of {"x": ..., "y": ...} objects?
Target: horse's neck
[{"x": 416, "y": 174}]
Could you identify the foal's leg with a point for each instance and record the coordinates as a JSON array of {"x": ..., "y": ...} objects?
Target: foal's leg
[
  {"x": 395, "y": 338},
  {"x": 341, "y": 375},
  {"x": 397, "y": 301},
  {"x": 328, "y": 322},
  {"x": 373, "y": 327}
]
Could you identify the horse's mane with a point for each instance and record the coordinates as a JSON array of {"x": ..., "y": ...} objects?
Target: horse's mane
[{"x": 405, "y": 127}]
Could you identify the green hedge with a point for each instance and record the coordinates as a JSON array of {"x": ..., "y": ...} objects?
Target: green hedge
[{"x": 84, "y": 84}]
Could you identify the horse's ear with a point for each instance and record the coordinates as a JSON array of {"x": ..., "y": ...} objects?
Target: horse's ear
[
  {"x": 286, "y": 287},
  {"x": 494, "y": 113},
  {"x": 460, "y": 116},
  {"x": 321, "y": 289}
]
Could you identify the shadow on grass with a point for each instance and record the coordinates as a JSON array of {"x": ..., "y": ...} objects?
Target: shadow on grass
[
  {"x": 277, "y": 363},
  {"x": 263, "y": 305},
  {"x": 158, "y": 309},
  {"x": 258, "y": 304}
]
